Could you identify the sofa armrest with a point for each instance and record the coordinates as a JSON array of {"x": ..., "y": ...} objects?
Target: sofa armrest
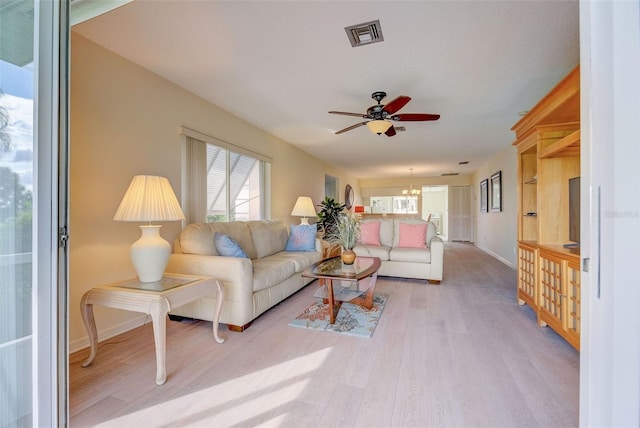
[
  {"x": 235, "y": 273},
  {"x": 437, "y": 258}
]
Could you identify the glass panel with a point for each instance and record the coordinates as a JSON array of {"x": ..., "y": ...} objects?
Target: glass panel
[
  {"x": 244, "y": 187},
  {"x": 335, "y": 268},
  {"x": 166, "y": 283},
  {"x": 240, "y": 178},
  {"x": 394, "y": 204},
  {"x": 405, "y": 204},
  {"x": 16, "y": 186},
  {"x": 381, "y": 204},
  {"x": 216, "y": 183}
]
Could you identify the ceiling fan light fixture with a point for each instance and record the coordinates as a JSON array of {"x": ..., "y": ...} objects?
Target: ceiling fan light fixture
[{"x": 379, "y": 126}]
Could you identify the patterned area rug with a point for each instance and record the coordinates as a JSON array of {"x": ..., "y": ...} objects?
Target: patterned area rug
[{"x": 352, "y": 319}]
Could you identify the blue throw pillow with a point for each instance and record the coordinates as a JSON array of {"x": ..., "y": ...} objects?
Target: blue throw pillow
[
  {"x": 227, "y": 246},
  {"x": 302, "y": 238}
]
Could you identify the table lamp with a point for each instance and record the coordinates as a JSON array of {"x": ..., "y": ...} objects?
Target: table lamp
[
  {"x": 304, "y": 208},
  {"x": 149, "y": 198}
]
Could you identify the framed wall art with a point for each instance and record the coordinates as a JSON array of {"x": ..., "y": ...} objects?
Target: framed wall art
[
  {"x": 484, "y": 196},
  {"x": 496, "y": 192}
]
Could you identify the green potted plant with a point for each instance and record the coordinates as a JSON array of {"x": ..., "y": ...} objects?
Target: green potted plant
[
  {"x": 346, "y": 234},
  {"x": 329, "y": 214}
]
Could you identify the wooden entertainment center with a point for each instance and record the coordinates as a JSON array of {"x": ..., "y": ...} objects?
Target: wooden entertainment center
[{"x": 548, "y": 143}]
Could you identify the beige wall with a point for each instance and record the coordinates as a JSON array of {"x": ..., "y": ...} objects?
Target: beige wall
[
  {"x": 496, "y": 233},
  {"x": 124, "y": 122},
  {"x": 394, "y": 186}
]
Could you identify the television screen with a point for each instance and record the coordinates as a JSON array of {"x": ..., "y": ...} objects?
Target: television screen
[{"x": 574, "y": 209}]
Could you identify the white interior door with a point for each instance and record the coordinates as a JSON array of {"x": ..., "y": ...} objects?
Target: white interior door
[
  {"x": 610, "y": 226},
  {"x": 461, "y": 228}
]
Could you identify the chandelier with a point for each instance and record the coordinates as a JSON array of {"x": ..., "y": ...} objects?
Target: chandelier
[{"x": 411, "y": 191}]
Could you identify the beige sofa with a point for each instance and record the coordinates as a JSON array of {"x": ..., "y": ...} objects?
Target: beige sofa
[
  {"x": 252, "y": 285},
  {"x": 420, "y": 263}
]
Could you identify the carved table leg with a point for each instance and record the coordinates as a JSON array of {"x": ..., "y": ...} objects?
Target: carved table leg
[
  {"x": 90, "y": 326},
  {"x": 216, "y": 312},
  {"x": 159, "y": 310}
]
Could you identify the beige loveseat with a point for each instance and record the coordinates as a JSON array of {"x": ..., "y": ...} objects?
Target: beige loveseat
[
  {"x": 421, "y": 263},
  {"x": 252, "y": 285}
]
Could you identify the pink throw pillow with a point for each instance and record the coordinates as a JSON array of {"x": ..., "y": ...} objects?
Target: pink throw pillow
[
  {"x": 370, "y": 233},
  {"x": 412, "y": 235}
]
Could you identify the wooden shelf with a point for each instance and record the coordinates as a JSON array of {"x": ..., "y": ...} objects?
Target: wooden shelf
[{"x": 548, "y": 145}]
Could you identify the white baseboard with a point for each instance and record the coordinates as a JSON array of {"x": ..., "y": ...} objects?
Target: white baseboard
[
  {"x": 496, "y": 256},
  {"x": 108, "y": 333}
]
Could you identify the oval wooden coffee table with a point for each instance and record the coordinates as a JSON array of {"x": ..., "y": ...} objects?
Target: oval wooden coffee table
[{"x": 360, "y": 278}]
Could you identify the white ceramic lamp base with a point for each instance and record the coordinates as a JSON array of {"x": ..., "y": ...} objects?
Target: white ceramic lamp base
[{"x": 150, "y": 254}]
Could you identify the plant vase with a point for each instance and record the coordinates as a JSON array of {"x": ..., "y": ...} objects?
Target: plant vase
[
  {"x": 346, "y": 234},
  {"x": 348, "y": 256}
]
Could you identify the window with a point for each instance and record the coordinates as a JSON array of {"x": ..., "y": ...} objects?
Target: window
[
  {"x": 234, "y": 186},
  {"x": 394, "y": 204},
  {"x": 223, "y": 182}
]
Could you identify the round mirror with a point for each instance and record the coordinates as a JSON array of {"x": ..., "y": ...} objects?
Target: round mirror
[{"x": 348, "y": 196}]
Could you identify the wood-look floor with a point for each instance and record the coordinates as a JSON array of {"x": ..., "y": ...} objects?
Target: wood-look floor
[{"x": 461, "y": 353}]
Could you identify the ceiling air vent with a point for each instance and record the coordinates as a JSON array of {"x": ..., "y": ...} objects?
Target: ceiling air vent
[
  {"x": 364, "y": 34},
  {"x": 447, "y": 174}
]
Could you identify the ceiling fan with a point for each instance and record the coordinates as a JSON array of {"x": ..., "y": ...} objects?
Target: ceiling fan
[{"x": 379, "y": 115}]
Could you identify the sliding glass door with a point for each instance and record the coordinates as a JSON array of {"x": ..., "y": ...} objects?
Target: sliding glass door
[{"x": 32, "y": 106}]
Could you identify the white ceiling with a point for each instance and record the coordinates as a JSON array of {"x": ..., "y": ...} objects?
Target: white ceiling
[{"x": 282, "y": 65}]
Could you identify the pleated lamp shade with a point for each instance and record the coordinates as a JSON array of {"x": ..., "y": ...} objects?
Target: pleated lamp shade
[
  {"x": 304, "y": 208},
  {"x": 149, "y": 198}
]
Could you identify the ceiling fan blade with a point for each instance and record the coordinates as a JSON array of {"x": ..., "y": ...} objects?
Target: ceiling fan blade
[
  {"x": 414, "y": 117},
  {"x": 391, "y": 131},
  {"x": 351, "y": 127},
  {"x": 396, "y": 104},
  {"x": 344, "y": 113}
]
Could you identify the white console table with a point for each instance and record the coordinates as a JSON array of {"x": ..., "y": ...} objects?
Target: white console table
[{"x": 155, "y": 299}]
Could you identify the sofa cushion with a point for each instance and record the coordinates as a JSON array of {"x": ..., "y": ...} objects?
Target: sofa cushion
[
  {"x": 227, "y": 246},
  {"x": 380, "y": 251},
  {"x": 370, "y": 233},
  {"x": 414, "y": 255},
  {"x": 197, "y": 238},
  {"x": 300, "y": 260},
  {"x": 302, "y": 238},
  {"x": 269, "y": 236},
  {"x": 386, "y": 230},
  {"x": 270, "y": 271},
  {"x": 396, "y": 228},
  {"x": 412, "y": 235}
]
